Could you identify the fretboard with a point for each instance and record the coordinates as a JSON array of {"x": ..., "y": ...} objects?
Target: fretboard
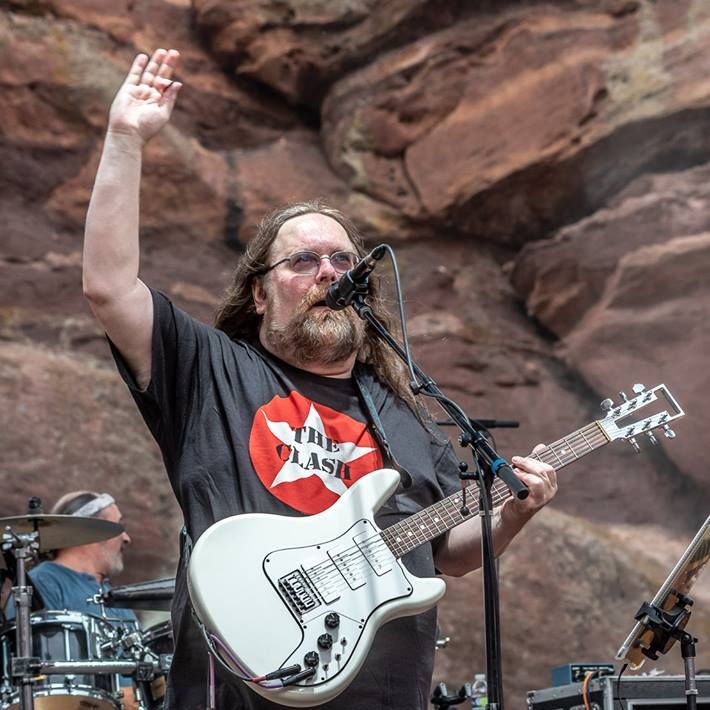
[{"x": 453, "y": 510}]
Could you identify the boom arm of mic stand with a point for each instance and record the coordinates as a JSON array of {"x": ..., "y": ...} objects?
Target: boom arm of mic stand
[
  {"x": 485, "y": 423},
  {"x": 470, "y": 436}
]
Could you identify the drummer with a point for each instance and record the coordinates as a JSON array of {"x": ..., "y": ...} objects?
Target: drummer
[{"x": 75, "y": 575}]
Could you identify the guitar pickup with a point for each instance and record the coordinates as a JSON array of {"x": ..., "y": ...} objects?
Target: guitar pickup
[{"x": 375, "y": 552}]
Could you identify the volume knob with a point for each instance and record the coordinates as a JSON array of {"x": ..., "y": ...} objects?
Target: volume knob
[
  {"x": 332, "y": 620},
  {"x": 311, "y": 659},
  {"x": 325, "y": 641}
]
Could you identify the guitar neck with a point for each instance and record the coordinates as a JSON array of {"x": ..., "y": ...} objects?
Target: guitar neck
[{"x": 449, "y": 512}]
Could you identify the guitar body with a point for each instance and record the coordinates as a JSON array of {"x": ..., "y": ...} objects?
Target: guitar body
[{"x": 271, "y": 589}]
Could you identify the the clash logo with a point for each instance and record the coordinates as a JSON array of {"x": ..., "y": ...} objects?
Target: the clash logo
[{"x": 308, "y": 455}]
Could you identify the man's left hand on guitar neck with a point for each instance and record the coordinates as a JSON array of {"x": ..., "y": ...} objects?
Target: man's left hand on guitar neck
[{"x": 460, "y": 552}]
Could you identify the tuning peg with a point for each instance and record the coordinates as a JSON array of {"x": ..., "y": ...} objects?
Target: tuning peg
[
  {"x": 623, "y": 396},
  {"x": 607, "y": 405},
  {"x": 668, "y": 432},
  {"x": 635, "y": 444},
  {"x": 651, "y": 437},
  {"x": 638, "y": 388}
]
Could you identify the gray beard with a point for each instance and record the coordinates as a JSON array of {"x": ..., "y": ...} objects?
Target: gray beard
[
  {"x": 114, "y": 566},
  {"x": 323, "y": 337}
]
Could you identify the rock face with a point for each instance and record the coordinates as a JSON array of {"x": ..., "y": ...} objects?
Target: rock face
[
  {"x": 541, "y": 169},
  {"x": 632, "y": 273}
]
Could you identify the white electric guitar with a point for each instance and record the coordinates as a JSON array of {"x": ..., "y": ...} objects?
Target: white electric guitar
[{"x": 292, "y": 605}]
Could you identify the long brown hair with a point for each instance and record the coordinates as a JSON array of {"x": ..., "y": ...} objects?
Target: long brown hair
[{"x": 237, "y": 316}]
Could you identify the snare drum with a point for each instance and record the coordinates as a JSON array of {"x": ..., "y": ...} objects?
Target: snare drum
[{"x": 62, "y": 636}]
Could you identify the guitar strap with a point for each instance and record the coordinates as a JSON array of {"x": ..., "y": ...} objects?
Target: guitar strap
[{"x": 378, "y": 429}]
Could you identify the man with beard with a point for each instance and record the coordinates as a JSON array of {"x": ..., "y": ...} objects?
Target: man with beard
[
  {"x": 280, "y": 407},
  {"x": 76, "y": 574}
]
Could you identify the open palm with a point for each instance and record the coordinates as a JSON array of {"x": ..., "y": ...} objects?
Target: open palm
[{"x": 146, "y": 98}]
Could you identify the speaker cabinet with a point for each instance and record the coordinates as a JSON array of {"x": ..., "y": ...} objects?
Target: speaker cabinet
[{"x": 629, "y": 693}]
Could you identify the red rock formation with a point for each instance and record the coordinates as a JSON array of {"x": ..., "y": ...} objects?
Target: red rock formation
[{"x": 539, "y": 166}]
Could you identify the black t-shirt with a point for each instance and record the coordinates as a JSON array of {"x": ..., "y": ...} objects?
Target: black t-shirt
[{"x": 232, "y": 422}]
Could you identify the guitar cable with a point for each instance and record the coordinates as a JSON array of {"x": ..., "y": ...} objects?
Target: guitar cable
[{"x": 292, "y": 674}]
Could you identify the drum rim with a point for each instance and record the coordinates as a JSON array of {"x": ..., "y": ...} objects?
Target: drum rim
[
  {"x": 58, "y": 615},
  {"x": 150, "y": 632},
  {"x": 77, "y": 691}
]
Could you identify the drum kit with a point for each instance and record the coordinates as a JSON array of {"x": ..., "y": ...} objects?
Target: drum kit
[{"x": 69, "y": 660}]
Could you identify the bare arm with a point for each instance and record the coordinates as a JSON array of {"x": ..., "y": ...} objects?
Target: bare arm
[
  {"x": 461, "y": 550},
  {"x": 119, "y": 299}
]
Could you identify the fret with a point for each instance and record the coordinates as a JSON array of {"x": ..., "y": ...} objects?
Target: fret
[
  {"x": 570, "y": 447},
  {"x": 585, "y": 441},
  {"x": 591, "y": 448},
  {"x": 550, "y": 448},
  {"x": 425, "y": 525}
]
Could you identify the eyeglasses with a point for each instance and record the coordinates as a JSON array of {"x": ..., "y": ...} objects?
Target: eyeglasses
[{"x": 307, "y": 263}]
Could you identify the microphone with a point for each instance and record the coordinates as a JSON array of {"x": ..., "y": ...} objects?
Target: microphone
[{"x": 341, "y": 293}]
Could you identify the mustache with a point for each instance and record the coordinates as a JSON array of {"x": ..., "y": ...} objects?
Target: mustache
[{"x": 314, "y": 295}]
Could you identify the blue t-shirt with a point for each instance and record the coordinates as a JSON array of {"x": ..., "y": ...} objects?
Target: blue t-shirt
[{"x": 62, "y": 588}]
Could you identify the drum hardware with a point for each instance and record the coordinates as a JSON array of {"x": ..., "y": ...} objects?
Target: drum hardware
[
  {"x": 157, "y": 643},
  {"x": 92, "y": 682},
  {"x": 125, "y": 641},
  {"x": 24, "y": 545},
  {"x": 154, "y": 595},
  {"x": 70, "y": 660},
  {"x": 23, "y": 537}
]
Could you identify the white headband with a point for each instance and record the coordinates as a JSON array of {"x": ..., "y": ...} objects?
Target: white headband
[{"x": 94, "y": 506}]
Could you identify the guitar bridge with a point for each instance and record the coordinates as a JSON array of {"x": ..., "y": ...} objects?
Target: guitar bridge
[{"x": 297, "y": 590}]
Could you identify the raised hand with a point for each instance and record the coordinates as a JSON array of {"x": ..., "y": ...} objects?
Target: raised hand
[{"x": 146, "y": 98}]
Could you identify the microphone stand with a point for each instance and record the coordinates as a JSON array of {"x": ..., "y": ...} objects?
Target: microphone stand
[{"x": 494, "y": 465}]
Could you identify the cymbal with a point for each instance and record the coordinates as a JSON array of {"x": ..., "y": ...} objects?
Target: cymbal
[
  {"x": 58, "y": 531},
  {"x": 154, "y": 595}
]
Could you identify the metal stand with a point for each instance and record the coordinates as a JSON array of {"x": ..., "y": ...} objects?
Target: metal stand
[
  {"x": 494, "y": 465},
  {"x": 668, "y": 626},
  {"x": 24, "y": 546}
]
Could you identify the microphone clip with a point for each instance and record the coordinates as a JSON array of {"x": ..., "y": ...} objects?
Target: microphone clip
[
  {"x": 356, "y": 290},
  {"x": 354, "y": 284}
]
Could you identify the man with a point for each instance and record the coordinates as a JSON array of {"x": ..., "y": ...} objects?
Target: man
[
  {"x": 76, "y": 574},
  {"x": 268, "y": 411}
]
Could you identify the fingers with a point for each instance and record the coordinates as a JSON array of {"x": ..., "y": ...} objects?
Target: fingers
[
  {"x": 538, "y": 476},
  {"x": 153, "y": 67},
  {"x": 155, "y": 72},
  {"x": 169, "y": 63},
  {"x": 136, "y": 70},
  {"x": 535, "y": 468}
]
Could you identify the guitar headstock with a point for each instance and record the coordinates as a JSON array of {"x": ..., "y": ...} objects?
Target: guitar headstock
[{"x": 648, "y": 410}]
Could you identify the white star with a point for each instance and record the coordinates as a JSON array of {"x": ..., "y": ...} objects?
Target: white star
[{"x": 292, "y": 471}]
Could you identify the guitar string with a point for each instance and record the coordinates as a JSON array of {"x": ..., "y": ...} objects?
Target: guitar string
[
  {"x": 353, "y": 560},
  {"x": 498, "y": 494},
  {"x": 399, "y": 537}
]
